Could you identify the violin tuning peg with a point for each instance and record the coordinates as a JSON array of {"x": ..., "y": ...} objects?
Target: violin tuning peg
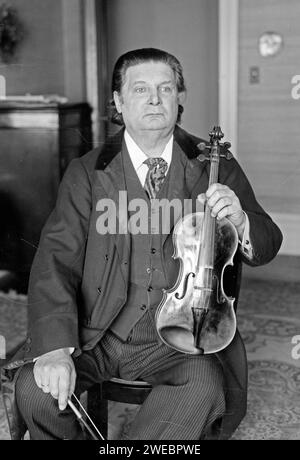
[
  {"x": 227, "y": 155},
  {"x": 202, "y": 157},
  {"x": 202, "y": 146}
]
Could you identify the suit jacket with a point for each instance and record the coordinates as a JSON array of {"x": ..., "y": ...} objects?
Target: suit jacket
[{"x": 79, "y": 278}]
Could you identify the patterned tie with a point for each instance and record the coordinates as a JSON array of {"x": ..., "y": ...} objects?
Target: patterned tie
[{"x": 155, "y": 175}]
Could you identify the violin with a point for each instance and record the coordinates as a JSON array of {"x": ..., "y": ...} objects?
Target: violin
[{"x": 196, "y": 316}]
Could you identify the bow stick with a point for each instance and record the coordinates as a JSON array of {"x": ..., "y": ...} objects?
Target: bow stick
[{"x": 95, "y": 433}]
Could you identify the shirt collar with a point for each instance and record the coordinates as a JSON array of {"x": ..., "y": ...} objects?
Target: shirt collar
[{"x": 138, "y": 157}]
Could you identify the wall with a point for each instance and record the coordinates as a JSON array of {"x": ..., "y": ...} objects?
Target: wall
[
  {"x": 189, "y": 30},
  {"x": 268, "y": 131},
  {"x": 50, "y": 59}
]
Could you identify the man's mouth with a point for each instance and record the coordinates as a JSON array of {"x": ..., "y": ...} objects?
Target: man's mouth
[{"x": 154, "y": 115}]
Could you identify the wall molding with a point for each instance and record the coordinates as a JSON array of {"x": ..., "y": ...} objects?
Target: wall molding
[
  {"x": 91, "y": 64},
  {"x": 95, "y": 44},
  {"x": 74, "y": 72}
]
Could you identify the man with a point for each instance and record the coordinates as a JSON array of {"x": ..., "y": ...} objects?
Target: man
[{"x": 93, "y": 294}]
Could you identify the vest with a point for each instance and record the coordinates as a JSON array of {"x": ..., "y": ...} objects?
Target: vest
[{"x": 152, "y": 267}]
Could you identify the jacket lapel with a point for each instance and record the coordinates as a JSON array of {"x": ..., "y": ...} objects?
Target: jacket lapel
[{"x": 111, "y": 178}]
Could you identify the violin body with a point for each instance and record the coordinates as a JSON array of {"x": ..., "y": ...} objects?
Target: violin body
[
  {"x": 174, "y": 316},
  {"x": 196, "y": 316}
]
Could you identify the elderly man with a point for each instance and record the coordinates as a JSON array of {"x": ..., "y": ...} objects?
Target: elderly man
[{"x": 93, "y": 294}]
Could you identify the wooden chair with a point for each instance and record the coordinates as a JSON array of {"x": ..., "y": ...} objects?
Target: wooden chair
[{"x": 118, "y": 390}]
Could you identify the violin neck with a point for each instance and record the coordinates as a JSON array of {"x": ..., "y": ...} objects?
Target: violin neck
[
  {"x": 214, "y": 168},
  {"x": 207, "y": 253}
]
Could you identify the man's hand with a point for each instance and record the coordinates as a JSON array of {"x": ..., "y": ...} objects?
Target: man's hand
[
  {"x": 223, "y": 202},
  {"x": 55, "y": 373}
]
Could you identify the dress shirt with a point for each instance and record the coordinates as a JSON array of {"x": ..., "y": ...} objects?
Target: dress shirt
[{"x": 138, "y": 157}]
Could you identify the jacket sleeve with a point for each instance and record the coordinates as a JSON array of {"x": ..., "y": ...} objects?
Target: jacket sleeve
[
  {"x": 57, "y": 268},
  {"x": 265, "y": 236}
]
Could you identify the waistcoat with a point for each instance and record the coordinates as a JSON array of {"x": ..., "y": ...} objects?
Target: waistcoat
[{"x": 152, "y": 267}]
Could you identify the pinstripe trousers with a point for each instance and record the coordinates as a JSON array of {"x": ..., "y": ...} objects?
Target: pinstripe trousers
[{"x": 186, "y": 401}]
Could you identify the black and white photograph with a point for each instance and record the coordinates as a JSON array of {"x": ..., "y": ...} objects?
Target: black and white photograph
[{"x": 150, "y": 222}]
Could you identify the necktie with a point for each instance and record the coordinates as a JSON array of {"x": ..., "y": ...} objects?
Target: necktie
[{"x": 155, "y": 175}]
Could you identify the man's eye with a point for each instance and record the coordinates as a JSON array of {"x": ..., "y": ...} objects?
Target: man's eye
[
  {"x": 140, "y": 89},
  {"x": 166, "y": 89}
]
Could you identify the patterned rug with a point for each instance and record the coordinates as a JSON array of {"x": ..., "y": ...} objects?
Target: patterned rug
[{"x": 268, "y": 319}]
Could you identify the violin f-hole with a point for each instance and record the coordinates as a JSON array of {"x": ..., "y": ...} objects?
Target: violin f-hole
[{"x": 177, "y": 296}]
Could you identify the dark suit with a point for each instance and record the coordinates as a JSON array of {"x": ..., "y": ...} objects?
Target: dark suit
[{"x": 73, "y": 260}]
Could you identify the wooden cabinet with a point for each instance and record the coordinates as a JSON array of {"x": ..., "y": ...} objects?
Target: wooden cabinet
[{"x": 37, "y": 141}]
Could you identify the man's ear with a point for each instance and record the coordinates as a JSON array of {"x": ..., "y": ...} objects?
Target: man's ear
[
  {"x": 118, "y": 101},
  {"x": 181, "y": 98}
]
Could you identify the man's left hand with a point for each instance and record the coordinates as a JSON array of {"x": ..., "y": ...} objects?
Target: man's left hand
[{"x": 223, "y": 202}]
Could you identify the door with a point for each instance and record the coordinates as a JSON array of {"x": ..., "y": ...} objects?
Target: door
[{"x": 268, "y": 112}]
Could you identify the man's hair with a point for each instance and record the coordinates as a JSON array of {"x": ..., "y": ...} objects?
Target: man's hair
[{"x": 140, "y": 56}]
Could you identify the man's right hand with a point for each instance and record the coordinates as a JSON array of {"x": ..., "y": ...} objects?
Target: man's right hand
[{"x": 54, "y": 373}]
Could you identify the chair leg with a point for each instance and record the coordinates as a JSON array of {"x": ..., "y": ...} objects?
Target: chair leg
[{"x": 98, "y": 409}]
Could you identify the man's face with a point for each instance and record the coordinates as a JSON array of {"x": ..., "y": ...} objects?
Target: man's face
[{"x": 149, "y": 98}]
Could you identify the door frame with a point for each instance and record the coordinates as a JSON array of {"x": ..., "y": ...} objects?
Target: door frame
[
  {"x": 228, "y": 70},
  {"x": 95, "y": 32},
  {"x": 228, "y": 108}
]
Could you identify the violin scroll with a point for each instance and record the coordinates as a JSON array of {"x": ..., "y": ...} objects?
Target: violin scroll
[{"x": 216, "y": 135}]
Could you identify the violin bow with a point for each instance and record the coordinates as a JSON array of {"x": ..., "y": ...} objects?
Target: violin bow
[{"x": 94, "y": 432}]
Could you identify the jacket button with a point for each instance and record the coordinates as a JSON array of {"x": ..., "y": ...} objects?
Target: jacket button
[
  {"x": 29, "y": 340},
  {"x": 143, "y": 307},
  {"x": 88, "y": 321},
  {"x": 106, "y": 257},
  {"x": 153, "y": 250},
  {"x": 99, "y": 290},
  {"x": 150, "y": 288},
  {"x": 149, "y": 270}
]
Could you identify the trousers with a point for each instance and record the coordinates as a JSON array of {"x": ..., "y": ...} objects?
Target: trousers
[{"x": 186, "y": 401}]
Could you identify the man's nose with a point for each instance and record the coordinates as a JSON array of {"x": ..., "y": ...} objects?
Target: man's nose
[{"x": 154, "y": 97}]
